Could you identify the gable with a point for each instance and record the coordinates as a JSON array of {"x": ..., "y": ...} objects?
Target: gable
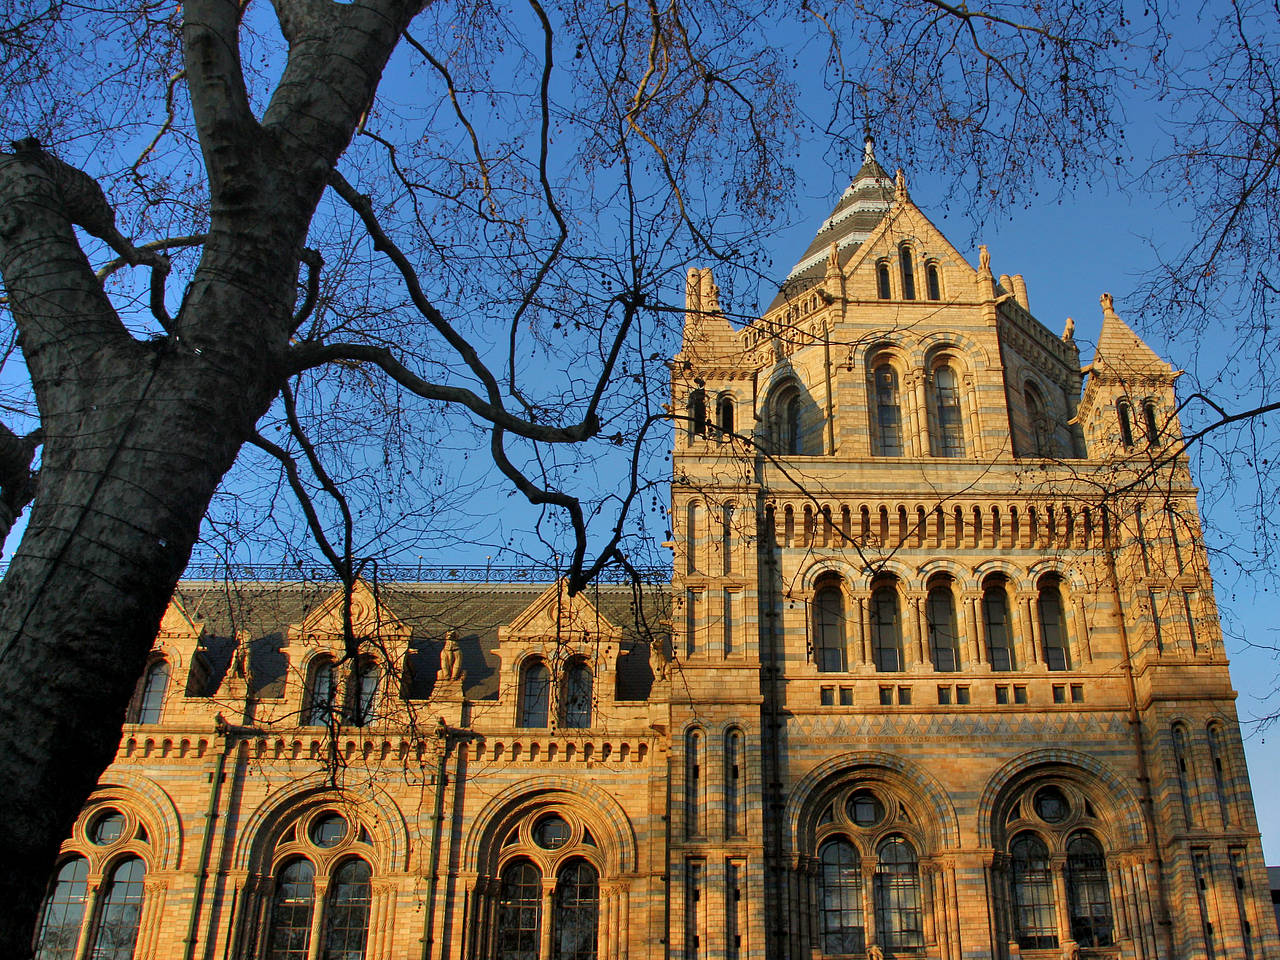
[{"x": 557, "y": 614}]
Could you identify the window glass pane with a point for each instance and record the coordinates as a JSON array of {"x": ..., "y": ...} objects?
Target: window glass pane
[
  {"x": 888, "y": 411},
  {"x": 577, "y": 696},
  {"x": 535, "y": 695},
  {"x": 346, "y": 924},
  {"x": 940, "y": 612},
  {"x": 1036, "y": 926},
  {"x": 116, "y": 932},
  {"x": 1053, "y": 630},
  {"x": 931, "y": 278},
  {"x": 328, "y": 830},
  {"x": 840, "y": 898},
  {"x": 1087, "y": 893},
  {"x": 153, "y": 689},
  {"x": 291, "y": 909},
  {"x": 864, "y": 808},
  {"x": 829, "y": 647},
  {"x": 886, "y": 630},
  {"x": 320, "y": 706},
  {"x": 366, "y": 694},
  {"x": 107, "y": 827},
  {"x": 897, "y": 897},
  {"x": 576, "y": 912},
  {"x": 908, "y": 274},
  {"x": 551, "y": 833},
  {"x": 882, "y": 280},
  {"x": 63, "y": 912},
  {"x": 520, "y": 912},
  {"x": 1126, "y": 425},
  {"x": 950, "y": 424},
  {"x": 995, "y": 612}
]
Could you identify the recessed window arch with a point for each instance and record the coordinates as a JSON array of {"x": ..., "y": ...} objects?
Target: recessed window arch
[
  {"x": 698, "y": 413},
  {"x": 724, "y": 414},
  {"x": 933, "y": 282},
  {"x": 840, "y": 897},
  {"x": 886, "y": 628},
  {"x": 519, "y": 933},
  {"x": 908, "y": 271},
  {"x": 899, "y": 917},
  {"x": 788, "y": 421},
  {"x": 1150, "y": 422},
  {"x": 155, "y": 684},
  {"x": 947, "y": 414},
  {"x": 576, "y": 694},
  {"x": 1221, "y": 775},
  {"x": 694, "y": 805},
  {"x": 996, "y": 624},
  {"x": 1125, "y": 416},
  {"x": 362, "y": 693},
  {"x": 320, "y": 692},
  {"x": 1182, "y": 769},
  {"x": 1053, "y": 625},
  {"x": 735, "y": 811},
  {"x": 1038, "y": 421},
  {"x": 535, "y": 693},
  {"x": 883, "y": 290},
  {"x": 577, "y": 911},
  {"x": 1088, "y": 895},
  {"x": 888, "y": 407},
  {"x": 829, "y": 648},
  {"x": 940, "y": 617},
  {"x": 63, "y": 914},
  {"x": 1031, "y": 884}
]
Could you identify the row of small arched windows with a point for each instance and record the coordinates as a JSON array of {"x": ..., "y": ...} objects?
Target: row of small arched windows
[
  {"x": 907, "y": 277},
  {"x": 1150, "y": 423},
  {"x": 830, "y": 646}
]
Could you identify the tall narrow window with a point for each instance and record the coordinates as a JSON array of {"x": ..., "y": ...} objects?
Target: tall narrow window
[
  {"x": 291, "y": 908},
  {"x": 724, "y": 414},
  {"x": 940, "y": 612},
  {"x": 1053, "y": 628},
  {"x": 886, "y": 630},
  {"x": 908, "y": 273},
  {"x": 932, "y": 282},
  {"x": 735, "y": 820},
  {"x": 995, "y": 618},
  {"x": 698, "y": 413},
  {"x": 1126, "y": 421},
  {"x": 1036, "y": 925},
  {"x": 1182, "y": 770},
  {"x": 692, "y": 536},
  {"x": 151, "y": 699},
  {"x": 346, "y": 921},
  {"x": 576, "y": 702},
  {"x": 520, "y": 912},
  {"x": 1150, "y": 422},
  {"x": 840, "y": 898},
  {"x": 63, "y": 912},
  {"x": 897, "y": 897},
  {"x": 882, "y": 279},
  {"x": 888, "y": 411},
  {"x": 363, "y": 702},
  {"x": 1220, "y": 780},
  {"x": 1203, "y": 873},
  {"x": 828, "y": 629},
  {"x": 694, "y": 808},
  {"x": 535, "y": 694},
  {"x": 793, "y": 442},
  {"x": 733, "y": 925},
  {"x": 693, "y": 870},
  {"x": 320, "y": 693},
  {"x": 1038, "y": 421},
  {"x": 1088, "y": 898},
  {"x": 115, "y": 933},
  {"x": 946, "y": 392},
  {"x": 728, "y": 538},
  {"x": 1240, "y": 882},
  {"x": 577, "y": 912}
]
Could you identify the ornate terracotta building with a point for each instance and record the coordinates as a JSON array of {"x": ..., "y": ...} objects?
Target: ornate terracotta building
[{"x": 937, "y": 675}]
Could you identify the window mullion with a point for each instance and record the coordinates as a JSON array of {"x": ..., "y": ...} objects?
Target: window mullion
[
  {"x": 89, "y": 919},
  {"x": 1058, "y": 871},
  {"x": 315, "y": 950}
]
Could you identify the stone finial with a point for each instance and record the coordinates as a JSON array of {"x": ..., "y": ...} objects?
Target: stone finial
[
  {"x": 1108, "y": 305},
  {"x": 710, "y": 293},
  {"x": 869, "y": 149},
  {"x": 1069, "y": 331},
  {"x": 693, "y": 291}
]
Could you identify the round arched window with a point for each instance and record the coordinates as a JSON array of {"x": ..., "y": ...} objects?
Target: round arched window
[
  {"x": 551, "y": 832},
  {"x": 864, "y": 808},
  {"x": 107, "y": 827},
  {"x": 328, "y": 830},
  {"x": 1051, "y": 804}
]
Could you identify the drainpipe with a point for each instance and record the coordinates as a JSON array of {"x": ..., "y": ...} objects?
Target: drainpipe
[
  {"x": 445, "y": 736},
  {"x": 206, "y": 844}
]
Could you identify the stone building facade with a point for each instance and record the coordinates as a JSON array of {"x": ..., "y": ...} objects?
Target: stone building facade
[{"x": 937, "y": 675}]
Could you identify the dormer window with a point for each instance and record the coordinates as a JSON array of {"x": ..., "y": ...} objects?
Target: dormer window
[
  {"x": 575, "y": 703},
  {"x": 151, "y": 699},
  {"x": 535, "y": 694},
  {"x": 363, "y": 697}
]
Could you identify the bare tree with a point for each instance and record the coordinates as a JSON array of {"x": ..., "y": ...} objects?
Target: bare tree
[{"x": 335, "y": 236}]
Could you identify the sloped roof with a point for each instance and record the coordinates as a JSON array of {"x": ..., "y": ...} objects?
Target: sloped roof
[
  {"x": 430, "y": 610},
  {"x": 1122, "y": 351},
  {"x": 857, "y": 213}
]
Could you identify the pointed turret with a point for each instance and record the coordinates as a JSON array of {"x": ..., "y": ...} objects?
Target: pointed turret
[
  {"x": 857, "y": 213},
  {"x": 1121, "y": 352}
]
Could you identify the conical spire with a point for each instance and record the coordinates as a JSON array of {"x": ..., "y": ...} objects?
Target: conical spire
[{"x": 1120, "y": 350}]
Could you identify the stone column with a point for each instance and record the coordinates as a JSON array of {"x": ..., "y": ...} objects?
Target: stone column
[
  {"x": 974, "y": 440},
  {"x": 979, "y": 632}
]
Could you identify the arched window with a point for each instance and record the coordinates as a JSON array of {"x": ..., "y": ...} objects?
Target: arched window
[
  {"x": 724, "y": 414},
  {"x": 1088, "y": 898},
  {"x": 362, "y": 701},
  {"x": 115, "y": 930},
  {"x": 735, "y": 813},
  {"x": 1035, "y": 923},
  {"x": 828, "y": 628},
  {"x": 888, "y": 411},
  {"x": 946, "y": 396},
  {"x": 1126, "y": 423},
  {"x": 520, "y": 912},
  {"x": 346, "y": 921},
  {"x": 886, "y": 630},
  {"x": 840, "y": 898},
  {"x": 154, "y": 686},
  {"x": 944, "y": 640},
  {"x": 792, "y": 441},
  {"x": 1149, "y": 420},
  {"x": 1220, "y": 780},
  {"x": 995, "y": 618},
  {"x": 908, "y": 273},
  {"x": 698, "y": 413},
  {"x": 882, "y": 279},
  {"x": 692, "y": 536},
  {"x": 320, "y": 693},
  {"x": 535, "y": 693},
  {"x": 1041, "y": 434},
  {"x": 63, "y": 913},
  {"x": 577, "y": 912},
  {"x": 932, "y": 282},
  {"x": 694, "y": 808},
  {"x": 291, "y": 908},
  {"x": 1053, "y": 626},
  {"x": 899, "y": 923},
  {"x": 576, "y": 696},
  {"x": 1183, "y": 771}
]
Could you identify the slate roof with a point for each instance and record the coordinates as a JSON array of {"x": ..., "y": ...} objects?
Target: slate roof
[
  {"x": 475, "y": 610},
  {"x": 857, "y": 213}
]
